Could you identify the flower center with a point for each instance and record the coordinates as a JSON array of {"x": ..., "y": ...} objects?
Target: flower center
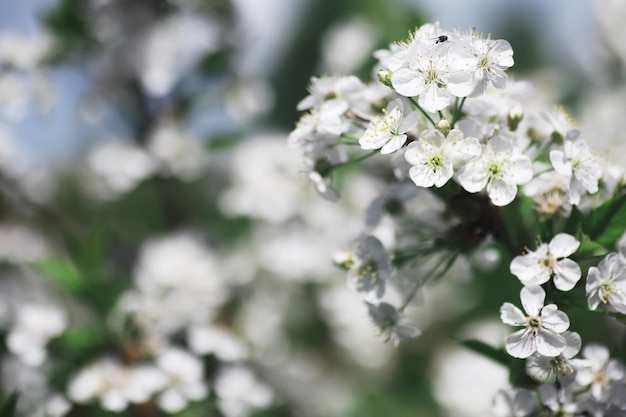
[
  {"x": 435, "y": 162},
  {"x": 534, "y": 322},
  {"x": 494, "y": 170}
]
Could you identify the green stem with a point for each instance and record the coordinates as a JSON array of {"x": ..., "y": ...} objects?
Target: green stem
[
  {"x": 447, "y": 260},
  {"x": 457, "y": 112},
  {"x": 426, "y": 115},
  {"x": 355, "y": 160},
  {"x": 350, "y": 136}
]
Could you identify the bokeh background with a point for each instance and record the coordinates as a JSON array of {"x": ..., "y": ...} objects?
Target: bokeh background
[{"x": 152, "y": 216}]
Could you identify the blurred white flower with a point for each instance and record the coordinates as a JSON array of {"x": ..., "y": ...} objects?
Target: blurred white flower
[
  {"x": 205, "y": 339},
  {"x": 20, "y": 243},
  {"x": 261, "y": 166},
  {"x": 178, "y": 282},
  {"x": 369, "y": 267},
  {"x": 347, "y": 45},
  {"x": 178, "y": 152},
  {"x": 185, "y": 379},
  {"x": 121, "y": 165},
  {"x": 34, "y": 326},
  {"x": 115, "y": 385},
  {"x": 240, "y": 392},
  {"x": 172, "y": 48},
  {"x": 513, "y": 402}
]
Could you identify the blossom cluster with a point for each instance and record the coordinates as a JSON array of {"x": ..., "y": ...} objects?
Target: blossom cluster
[{"x": 441, "y": 114}]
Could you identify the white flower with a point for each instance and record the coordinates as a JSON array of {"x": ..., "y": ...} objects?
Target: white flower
[
  {"x": 220, "y": 342},
  {"x": 35, "y": 325},
  {"x": 114, "y": 384},
  {"x": 392, "y": 325},
  {"x": 549, "y": 260},
  {"x": 431, "y": 65},
  {"x": 606, "y": 284},
  {"x": 389, "y": 132},
  {"x": 430, "y": 73},
  {"x": 490, "y": 58},
  {"x": 500, "y": 168},
  {"x": 185, "y": 380},
  {"x": 601, "y": 373},
  {"x": 561, "y": 401},
  {"x": 542, "y": 327},
  {"x": 563, "y": 367},
  {"x": 333, "y": 94},
  {"x": 239, "y": 392},
  {"x": 369, "y": 268},
  {"x": 433, "y": 157},
  {"x": 513, "y": 402},
  {"x": 578, "y": 164}
]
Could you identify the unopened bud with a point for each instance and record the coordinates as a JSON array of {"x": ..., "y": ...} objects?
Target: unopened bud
[
  {"x": 443, "y": 126},
  {"x": 516, "y": 114},
  {"x": 384, "y": 75}
]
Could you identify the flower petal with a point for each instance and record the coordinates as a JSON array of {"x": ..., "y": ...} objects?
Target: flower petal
[
  {"x": 511, "y": 315},
  {"x": 532, "y": 299},
  {"x": 550, "y": 344},
  {"x": 566, "y": 274},
  {"x": 554, "y": 319},
  {"x": 521, "y": 344},
  {"x": 563, "y": 245}
]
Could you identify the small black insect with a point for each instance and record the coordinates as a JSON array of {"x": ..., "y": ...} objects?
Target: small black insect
[{"x": 441, "y": 39}]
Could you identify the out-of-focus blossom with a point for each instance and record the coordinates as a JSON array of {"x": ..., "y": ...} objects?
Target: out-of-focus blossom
[
  {"x": 239, "y": 392},
  {"x": 172, "y": 48},
  {"x": 34, "y": 326}
]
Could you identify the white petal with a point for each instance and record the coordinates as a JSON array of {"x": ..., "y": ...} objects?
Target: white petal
[
  {"x": 521, "y": 344},
  {"x": 422, "y": 175},
  {"x": 407, "y": 82},
  {"x": 409, "y": 122},
  {"x": 501, "y": 193},
  {"x": 554, "y": 319},
  {"x": 566, "y": 274},
  {"x": 434, "y": 98},
  {"x": 519, "y": 170},
  {"x": 550, "y": 344},
  {"x": 563, "y": 245},
  {"x": 511, "y": 315},
  {"x": 529, "y": 270},
  {"x": 393, "y": 145},
  {"x": 560, "y": 163},
  {"x": 473, "y": 177},
  {"x": 532, "y": 299}
]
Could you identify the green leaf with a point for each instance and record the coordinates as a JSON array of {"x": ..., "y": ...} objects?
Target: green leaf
[
  {"x": 9, "y": 406},
  {"x": 61, "y": 271},
  {"x": 79, "y": 338},
  {"x": 497, "y": 355},
  {"x": 606, "y": 224},
  {"x": 588, "y": 249}
]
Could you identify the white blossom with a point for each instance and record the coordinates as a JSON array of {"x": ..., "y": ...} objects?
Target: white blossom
[
  {"x": 388, "y": 133},
  {"x": 577, "y": 163},
  {"x": 606, "y": 284},
  {"x": 393, "y": 326},
  {"x": 369, "y": 268},
  {"x": 549, "y": 261},
  {"x": 543, "y": 325},
  {"x": 434, "y": 157},
  {"x": 499, "y": 168},
  {"x": 513, "y": 402}
]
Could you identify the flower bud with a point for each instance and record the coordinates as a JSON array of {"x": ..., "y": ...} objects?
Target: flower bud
[
  {"x": 384, "y": 75},
  {"x": 443, "y": 126},
  {"x": 516, "y": 114}
]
